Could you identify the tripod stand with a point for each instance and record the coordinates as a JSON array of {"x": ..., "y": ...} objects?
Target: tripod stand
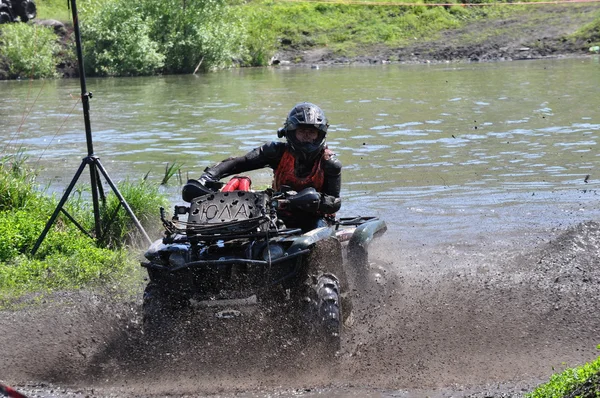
[{"x": 90, "y": 160}]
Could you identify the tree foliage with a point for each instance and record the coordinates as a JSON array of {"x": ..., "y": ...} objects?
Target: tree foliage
[{"x": 582, "y": 381}]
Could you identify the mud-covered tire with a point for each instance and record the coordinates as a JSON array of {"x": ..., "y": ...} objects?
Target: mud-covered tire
[
  {"x": 327, "y": 258},
  {"x": 158, "y": 311},
  {"x": 328, "y": 311},
  {"x": 325, "y": 296}
]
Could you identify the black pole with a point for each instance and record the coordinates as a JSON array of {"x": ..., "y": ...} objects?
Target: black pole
[
  {"x": 91, "y": 159},
  {"x": 85, "y": 100}
]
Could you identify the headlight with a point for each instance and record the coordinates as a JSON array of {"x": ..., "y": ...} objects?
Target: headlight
[
  {"x": 272, "y": 252},
  {"x": 177, "y": 259}
]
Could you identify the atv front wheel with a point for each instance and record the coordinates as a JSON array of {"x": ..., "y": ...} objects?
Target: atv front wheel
[
  {"x": 328, "y": 311},
  {"x": 328, "y": 292},
  {"x": 158, "y": 310}
]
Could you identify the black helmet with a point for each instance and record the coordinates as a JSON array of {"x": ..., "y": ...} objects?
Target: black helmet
[{"x": 309, "y": 114}]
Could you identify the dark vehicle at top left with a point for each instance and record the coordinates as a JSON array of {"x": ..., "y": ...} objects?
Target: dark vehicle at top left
[{"x": 17, "y": 10}]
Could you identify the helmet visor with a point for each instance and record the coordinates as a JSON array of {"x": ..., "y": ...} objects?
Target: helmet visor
[{"x": 307, "y": 134}]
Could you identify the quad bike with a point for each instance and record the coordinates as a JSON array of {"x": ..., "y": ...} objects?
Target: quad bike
[
  {"x": 11, "y": 9},
  {"x": 231, "y": 244}
]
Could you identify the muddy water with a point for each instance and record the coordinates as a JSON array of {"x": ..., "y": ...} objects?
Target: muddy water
[{"x": 489, "y": 276}]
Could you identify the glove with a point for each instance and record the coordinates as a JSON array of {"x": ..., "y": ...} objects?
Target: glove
[
  {"x": 307, "y": 200},
  {"x": 209, "y": 182}
]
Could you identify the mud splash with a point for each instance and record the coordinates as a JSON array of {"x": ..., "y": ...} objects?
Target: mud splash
[{"x": 437, "y": 321}]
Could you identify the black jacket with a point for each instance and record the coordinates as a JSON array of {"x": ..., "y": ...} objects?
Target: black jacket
[{"x": 269, "y": 155}]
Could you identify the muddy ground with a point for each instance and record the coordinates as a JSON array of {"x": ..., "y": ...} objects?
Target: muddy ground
[
  {"x": 490, "y": 318},
  {"x": 540, "y": 32}
]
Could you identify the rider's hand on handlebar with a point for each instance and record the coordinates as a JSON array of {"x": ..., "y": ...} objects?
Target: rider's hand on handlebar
[
  {"x": 209, "y": 182},
  {"x": 307, "y": 200}
]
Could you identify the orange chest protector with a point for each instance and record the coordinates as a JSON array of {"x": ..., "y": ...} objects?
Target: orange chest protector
[{"x": 285, "y": 174}]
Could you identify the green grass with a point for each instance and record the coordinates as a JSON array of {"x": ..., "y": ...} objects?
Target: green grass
[
  {"x": 349, "y": 28},
  {"x": 118, "y": 228},
  {"x": 16, "y": 182},
  {"x": 54, "y": 9},
  {"x": 589, "y": 34},
  {"x": 582, "y": 381}
]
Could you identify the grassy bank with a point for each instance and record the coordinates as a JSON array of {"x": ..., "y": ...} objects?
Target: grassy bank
[
  {"x": 349, "y": 28},
  {"x": 67, "y": 259}
]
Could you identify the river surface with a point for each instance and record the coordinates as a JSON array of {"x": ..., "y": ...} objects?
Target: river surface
[{"x": 445, "y": 151}]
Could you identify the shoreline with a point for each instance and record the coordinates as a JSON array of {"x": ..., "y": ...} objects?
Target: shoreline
[{"x": 544, "y": 32}]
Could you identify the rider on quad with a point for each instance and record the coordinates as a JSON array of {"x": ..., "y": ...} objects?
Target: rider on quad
[
  {"x": 233, "y": 245},
  {"x": 303, "y": 164}
]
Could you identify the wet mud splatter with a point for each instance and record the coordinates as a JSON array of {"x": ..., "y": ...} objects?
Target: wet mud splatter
[{"x": 447, "y": 320}]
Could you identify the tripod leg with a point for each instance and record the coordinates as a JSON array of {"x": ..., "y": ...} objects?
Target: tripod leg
[
  {"x": 62, "y": 202},
  {"x": 121, "y": 199},
  {"x": 94, "y": 183}
]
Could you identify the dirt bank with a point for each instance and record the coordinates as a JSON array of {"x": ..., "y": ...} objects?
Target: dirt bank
[
  {"x": 452, "y": 320},
  {"x": 541, "y": 32}
]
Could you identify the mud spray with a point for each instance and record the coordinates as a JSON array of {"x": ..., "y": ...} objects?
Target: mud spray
[{"x": 490, "y": 318}]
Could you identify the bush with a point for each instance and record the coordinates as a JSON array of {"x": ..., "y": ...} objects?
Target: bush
[
  {"x": 116, "y": 40},
  {"x": 18, "y": 233},
  {"x": 67, "y": 258},
  {"x": 29, "y": 50},
  {"x": 260, "y": 41},
  {"x": 124, "y": 37},
  {"x": 194, "y": 33},
  {"x": 145, "y": 201}
]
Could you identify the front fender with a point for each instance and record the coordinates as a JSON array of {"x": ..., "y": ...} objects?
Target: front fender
[
  {"x": 362, "y": 237},
  {"x": 365, "y": 233},
  {"x": 308, "y": 239}
]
